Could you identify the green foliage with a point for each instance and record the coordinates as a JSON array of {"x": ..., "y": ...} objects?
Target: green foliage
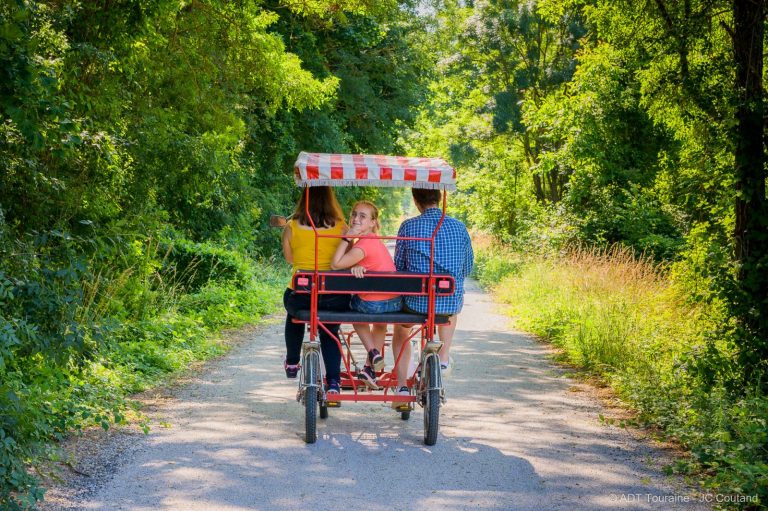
[
  {"x": 495, "y": 62},
  {"x": 668, "y": 355},
  {"x": 611, "y": 193},
  {"x": 490, "y": 269},
  {"x": 143, "y": 146},
  {"x": 688, "y": 61},
  {"x": 192, "y": 265},
  {"x": 613, "y": 122},
  {"x": 79, "y": 334}
]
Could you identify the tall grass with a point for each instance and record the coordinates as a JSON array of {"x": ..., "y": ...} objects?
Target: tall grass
[
  {"x": 620, "y": 316},
  {"x": 610, "y": 310}
]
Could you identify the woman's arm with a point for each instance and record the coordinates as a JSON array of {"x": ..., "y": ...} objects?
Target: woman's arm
[
  {"x": 287, "y": 251},
  {"x": 346, "y": 256}
]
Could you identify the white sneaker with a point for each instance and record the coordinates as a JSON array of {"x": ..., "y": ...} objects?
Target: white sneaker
[
  {"x": 447, "y": 367},
  {"x": 401, "y": 406}
]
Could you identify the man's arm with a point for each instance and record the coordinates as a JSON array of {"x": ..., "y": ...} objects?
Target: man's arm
[
  {"x": 401, "y": 257},
  {"x": 469, "y": 256}
]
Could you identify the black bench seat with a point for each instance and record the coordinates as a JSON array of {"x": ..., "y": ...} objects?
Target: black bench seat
[{"x": 403, "y": 318}]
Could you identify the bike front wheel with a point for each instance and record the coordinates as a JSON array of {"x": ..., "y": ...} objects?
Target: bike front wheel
[{"x": 311, "y": 390}]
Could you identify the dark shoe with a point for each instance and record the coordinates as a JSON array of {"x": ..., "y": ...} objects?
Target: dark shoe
[
  {"x": 376, "y": 360},
  {"x": 368, "y": 377},
  {"x": 333, "y": 390},
  {"x": 291, "y": 370}
]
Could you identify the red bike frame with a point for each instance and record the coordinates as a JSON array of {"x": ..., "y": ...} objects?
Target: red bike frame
[{"x": 427, "y": 330}]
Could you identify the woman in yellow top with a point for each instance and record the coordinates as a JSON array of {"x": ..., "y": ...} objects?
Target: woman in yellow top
[{"x": 299, "y": 250}]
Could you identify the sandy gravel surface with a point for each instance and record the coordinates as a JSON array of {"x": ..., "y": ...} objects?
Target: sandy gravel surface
[{"x": 515, "y": 434}]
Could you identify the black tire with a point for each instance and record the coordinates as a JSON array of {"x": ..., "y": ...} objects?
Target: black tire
[
  {"x": 323, "y": 411},
  {"x": 405, "y": 415},
  {"x": 310, "y": 398},
  {"x": 431, "y": 400}
]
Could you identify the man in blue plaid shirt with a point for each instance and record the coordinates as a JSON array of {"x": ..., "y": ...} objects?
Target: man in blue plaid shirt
[{"x": 453, "y": 254}]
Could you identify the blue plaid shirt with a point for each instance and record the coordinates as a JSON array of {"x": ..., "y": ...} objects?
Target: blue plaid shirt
[{"x": 453, "y": 254}]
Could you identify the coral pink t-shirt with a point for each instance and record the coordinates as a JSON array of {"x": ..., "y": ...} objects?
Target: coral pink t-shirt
[{"x": 376, "y": 258}]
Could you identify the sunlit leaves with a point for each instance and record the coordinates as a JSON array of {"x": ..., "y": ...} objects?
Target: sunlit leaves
[
  {"x": 328, "y": 9},
  {"x": 497, "y": 64}
]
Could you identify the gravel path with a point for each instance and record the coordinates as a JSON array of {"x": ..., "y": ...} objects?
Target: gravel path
[{"x": 515, "y": 434}]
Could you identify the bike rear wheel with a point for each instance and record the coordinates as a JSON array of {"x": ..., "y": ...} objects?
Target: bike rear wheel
[{"x": 431, "y": 399}]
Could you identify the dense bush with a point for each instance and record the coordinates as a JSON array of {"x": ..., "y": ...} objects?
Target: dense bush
[
  {"x": 192, "y": 265},
  {"x": 85, "y": 321}
]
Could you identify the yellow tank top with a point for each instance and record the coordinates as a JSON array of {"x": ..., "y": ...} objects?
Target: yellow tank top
[{"x": 303, "y": 247}]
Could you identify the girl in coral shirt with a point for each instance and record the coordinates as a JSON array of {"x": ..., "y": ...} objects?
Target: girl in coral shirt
[{"x": 359, "y": 251}]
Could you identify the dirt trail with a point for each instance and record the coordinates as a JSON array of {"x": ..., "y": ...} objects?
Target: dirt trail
[{"x": 515, "y": 434}]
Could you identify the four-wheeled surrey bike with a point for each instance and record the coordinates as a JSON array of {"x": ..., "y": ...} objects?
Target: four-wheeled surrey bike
[{"x": 424, "y": 378}]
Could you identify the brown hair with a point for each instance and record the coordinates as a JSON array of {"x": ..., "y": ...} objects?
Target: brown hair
[
  {"x": 374, "y": 213},
  {"x": 323, "y": 207},
  {"x": 426, "y": 196}
]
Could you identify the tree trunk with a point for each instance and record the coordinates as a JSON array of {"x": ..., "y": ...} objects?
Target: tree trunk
[
  {"x": 531, "y": 159},
  {"x": 750, "y": 303},
  {"x": 538, "y": 188}
]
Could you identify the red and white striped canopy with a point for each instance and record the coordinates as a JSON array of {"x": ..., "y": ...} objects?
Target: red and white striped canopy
[{"x": 324, "y": 169}]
